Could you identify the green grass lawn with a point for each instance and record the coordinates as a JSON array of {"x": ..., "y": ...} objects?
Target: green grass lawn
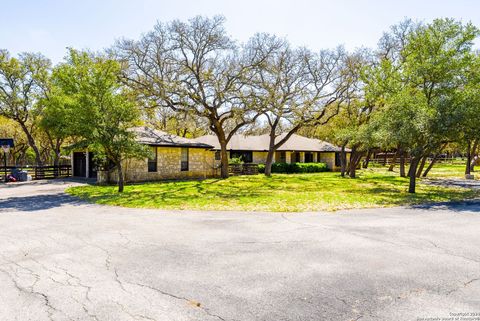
[
  {"x": 448, "y": 170},
  {"x": 281, "y": 192}
]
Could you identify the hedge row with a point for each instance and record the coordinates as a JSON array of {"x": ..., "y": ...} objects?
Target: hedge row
[{"x": 295, "y": 168}]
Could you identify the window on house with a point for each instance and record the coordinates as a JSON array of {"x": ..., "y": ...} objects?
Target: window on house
[
  {"x": 308, "y": 157},
  {"x": 217, "y": 155},
  {"x": 319, "y": 157},
  {"x": 184, "y": 160},
  {"x": 245, "y": 155},
  {"x": 283, "y": 157},
  {"x": 152, "y": 161}
]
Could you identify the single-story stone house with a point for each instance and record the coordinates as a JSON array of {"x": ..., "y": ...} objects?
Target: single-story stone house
[
  {"x": 177, "y": 157},
  {"x": 297, "y": 149},
  {"x": 174, "y": 157}
]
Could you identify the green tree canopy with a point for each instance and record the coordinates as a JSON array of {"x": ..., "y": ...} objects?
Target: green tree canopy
[{"x": 100, "y": 111}]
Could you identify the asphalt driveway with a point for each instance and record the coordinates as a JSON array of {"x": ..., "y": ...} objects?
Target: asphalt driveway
[{"x": 62, "y": 259}]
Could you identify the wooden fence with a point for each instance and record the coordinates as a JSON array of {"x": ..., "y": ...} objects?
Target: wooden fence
[
  {"x": 243, "y": 169},
  {"x": 388, "y": 161},
  {"x": 41, "y": 172}
]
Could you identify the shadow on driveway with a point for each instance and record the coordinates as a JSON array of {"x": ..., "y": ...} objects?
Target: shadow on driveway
[
  {"x": 36, "y": 202},
  {"x": 47, "y": 182},
  {"x": 458, "y": 206}
]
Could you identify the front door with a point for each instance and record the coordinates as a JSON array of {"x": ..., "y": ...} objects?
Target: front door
[
  {"x": 79, "y": 164},
  {"x": 92, "y": 167}
]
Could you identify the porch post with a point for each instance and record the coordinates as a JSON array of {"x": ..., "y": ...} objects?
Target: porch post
[
  {"x": 71, "y": 163},
  {"x": 302, "y": 157},
  {"x": 288, "y": 157},
  {"x": 87, "y": 164}
]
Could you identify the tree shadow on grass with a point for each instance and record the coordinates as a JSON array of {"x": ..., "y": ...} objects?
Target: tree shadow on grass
[{"x": 171, "y": 194}]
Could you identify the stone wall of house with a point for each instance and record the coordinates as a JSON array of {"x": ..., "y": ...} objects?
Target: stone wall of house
[
  {"x": 259, "y": 157},
  {"x": 329, "y": 159},
  {"x": 200, "y": 165}
]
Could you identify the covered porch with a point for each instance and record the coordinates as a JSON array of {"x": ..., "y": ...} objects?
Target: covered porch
[
  {"x": 83, "y": 164},
  {"x": 332, "y": 159}
]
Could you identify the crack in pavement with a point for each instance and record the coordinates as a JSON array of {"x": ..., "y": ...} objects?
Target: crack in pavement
[
  {"x": 69, "y": 282},
  {"x": 128, "y": 241},
  {"x": 117, "y": 279},
  {"x": 108, "y": 257},
  {"x": 133, "y": 316},
  {"x": 30, "y": 290},
  {"x": 465, "y": 284},
  {"x": 79, "y": 284},
  {"x": 196, "y": 304},
  {"x": 119, "y": 282}
]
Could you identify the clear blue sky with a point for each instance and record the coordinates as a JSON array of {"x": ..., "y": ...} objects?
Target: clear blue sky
[{"x": 49, "y": 26}]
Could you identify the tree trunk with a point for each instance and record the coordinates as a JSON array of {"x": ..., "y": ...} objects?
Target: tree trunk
[
  {"x": 367, "y": 159},
  {"x": 469, "y": 156},
  {"x": 410, "y": 168},
  {"x": 223, "y": 159},
  {"x": 268, "y": 162},
  {"x": 472, "y": 155},
  {"x": 56, "y": 160},
  {"x": 412, "y": 174},
  {"x": 394, "y": 160},
  {"x": 422, "y": 165},
  {"x": 222, "y": 140},
  {"x": 343, "y": 161},
  {"x": 121, "y": 183},
  {"x": 355, "y": 164},
  {"x": 384, "y": 158},
  {"x": 33, "y": 145},
  {"x": 402, "y": 163},
  {"x": 352, "y": 170},
  {"x": 271, "y": 150},
  {"x": 57, "y": 152},
  {"x": 352, "y": 159},
  {"x": 434, "y": 159},
  {"x": 355, "y": 158}
]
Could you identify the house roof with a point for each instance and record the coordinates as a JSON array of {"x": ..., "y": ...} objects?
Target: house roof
[
  {"x": 150, "y": 136},
  {"x": 261, "y": 143}
]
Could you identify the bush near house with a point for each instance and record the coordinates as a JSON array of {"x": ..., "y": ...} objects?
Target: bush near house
[{"x": 295, "y": 168}]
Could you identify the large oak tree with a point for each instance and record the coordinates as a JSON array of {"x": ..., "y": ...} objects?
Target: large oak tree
[
  {"x": 294, "y": 87},
  {"x": 23, "y": 81},
  {"x": 194, "y": 68},
  {"x": 419, "y": 80}
]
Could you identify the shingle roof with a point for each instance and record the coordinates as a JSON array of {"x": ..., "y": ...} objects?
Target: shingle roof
[
  {"x": 150, "y": 136},
  {"x": 261, "y": 142}
]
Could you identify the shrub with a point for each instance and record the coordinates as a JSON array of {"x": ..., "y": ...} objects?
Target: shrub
[
  {"x": 235, "y": 161},
  {"x": 295, "y": 168},
  {"x": 261, "y": 168}
]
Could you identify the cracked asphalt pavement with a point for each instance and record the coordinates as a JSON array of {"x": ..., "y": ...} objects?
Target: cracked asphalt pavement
[{"x": 63, "y": 259}]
